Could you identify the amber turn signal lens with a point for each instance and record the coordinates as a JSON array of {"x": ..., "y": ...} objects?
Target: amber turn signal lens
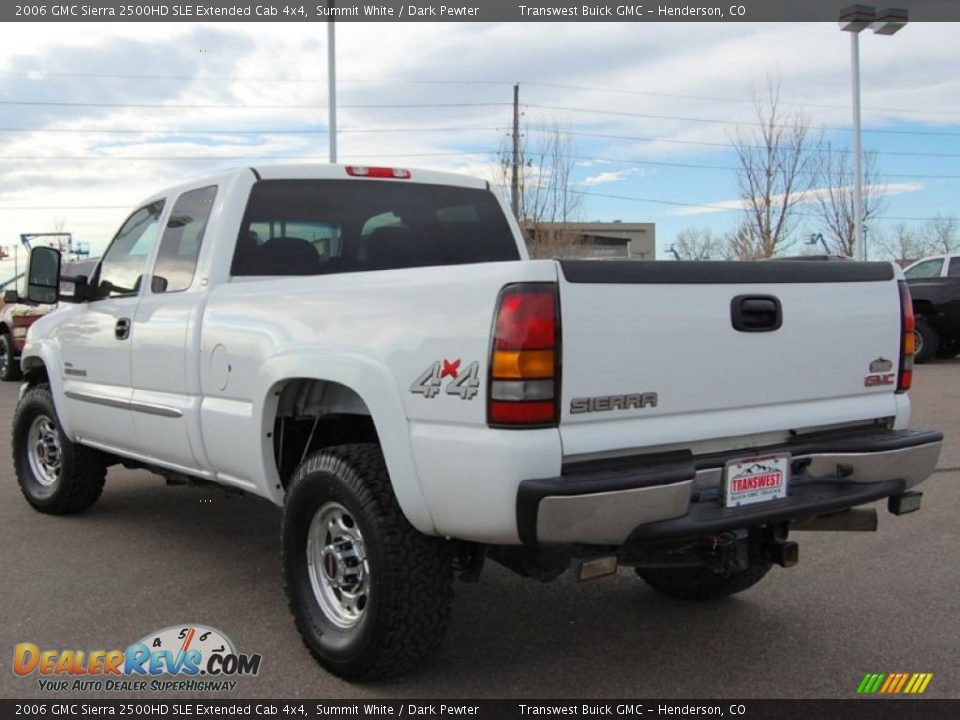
[{"x": 523, "y": 364}]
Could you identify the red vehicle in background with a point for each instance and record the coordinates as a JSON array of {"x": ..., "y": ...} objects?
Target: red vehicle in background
[{"x": 17, "y": 315}]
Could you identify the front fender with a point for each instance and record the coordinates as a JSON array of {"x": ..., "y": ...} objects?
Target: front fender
[
  {"x": 376, "y": 386},
  {"x": 45, "y": 353}
]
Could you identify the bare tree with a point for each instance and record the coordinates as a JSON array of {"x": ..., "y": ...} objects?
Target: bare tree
[
  {"x": 834, "y": 196},
  {"x": 743, "y": 244},
  {"x": 548, "y": 204},
  {"x": 902, "y": 245},
  {"x": 942, "y": 234},
  {"x": 696, "y": 244},
  {"x": 775, "y": 163}
]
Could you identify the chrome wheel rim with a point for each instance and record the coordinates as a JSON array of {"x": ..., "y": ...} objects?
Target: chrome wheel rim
[
  {"x": 44, "y": 451},
  {"x": 917, "y": 342},
  {"x": 337, "y": 565}
]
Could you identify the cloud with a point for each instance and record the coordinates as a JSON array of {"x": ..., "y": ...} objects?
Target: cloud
[
  {"x": 610, "y": 176},
  {"x": 884, "y": 189},
  {"x": 683, "y": 70}
]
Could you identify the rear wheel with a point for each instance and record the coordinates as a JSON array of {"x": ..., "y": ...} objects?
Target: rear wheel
[
  {"x": 948, "y": 349},
  {"x": 927, "y": 341},
  {"x": 9, "y": 364},
  {"x": 370, "y": 594},
  {"x": 56, "y": 476},
  {"x": 702, "y": 583}
]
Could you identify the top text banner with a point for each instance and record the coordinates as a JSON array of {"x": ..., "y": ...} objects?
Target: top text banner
[{"x": 461, "y": 11}]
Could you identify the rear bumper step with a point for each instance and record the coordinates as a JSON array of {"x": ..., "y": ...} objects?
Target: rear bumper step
[{"x": 655, "y": 498}]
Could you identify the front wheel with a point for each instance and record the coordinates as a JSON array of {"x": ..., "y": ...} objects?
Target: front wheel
[
  {"x": 9, "y": 362},
  {"x": 370, "y": 594},
  {"x": 56, "y": 476},
  {"x": 701, "y": 583}
]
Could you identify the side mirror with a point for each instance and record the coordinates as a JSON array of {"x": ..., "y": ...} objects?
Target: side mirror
[
  {"x": 11, "y": 296},
  {"x": 43, "y": 276}
]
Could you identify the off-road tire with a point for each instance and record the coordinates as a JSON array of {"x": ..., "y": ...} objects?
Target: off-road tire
[
  {"x": 82, "y": 470},
  {"x": 411, "y": 574},
  {"x": 701, "y": 583},
  {"x": 948, "y": 350},
  {"x": 9, "y": 362},
  {"x": 928, "y": 341}
]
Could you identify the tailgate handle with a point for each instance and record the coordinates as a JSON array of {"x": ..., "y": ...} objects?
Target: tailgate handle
[{"x": 756, "y": 313}]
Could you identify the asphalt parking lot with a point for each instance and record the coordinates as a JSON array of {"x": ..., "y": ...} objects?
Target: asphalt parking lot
[{"x": 150, "y": 556}]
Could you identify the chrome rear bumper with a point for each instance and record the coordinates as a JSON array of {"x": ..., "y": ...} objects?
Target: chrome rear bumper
[{"x": 654, "y": 498}]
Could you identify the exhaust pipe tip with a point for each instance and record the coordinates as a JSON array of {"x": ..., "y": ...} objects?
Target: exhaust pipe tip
[{"x": 904, "y": 503}]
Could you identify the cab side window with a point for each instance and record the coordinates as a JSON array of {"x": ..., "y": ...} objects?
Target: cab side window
[
  {"x": 125, "y": 261},
  {"x": 180, "y": 246}
]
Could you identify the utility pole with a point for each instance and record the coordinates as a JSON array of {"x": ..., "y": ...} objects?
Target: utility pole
[
  {"x": 514, "y": 165},
  {"x": 859, "y": 241},
  {"x": 332, "y": 82}
]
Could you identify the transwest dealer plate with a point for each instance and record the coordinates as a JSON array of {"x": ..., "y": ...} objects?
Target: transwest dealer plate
[{"x": 755, "y": 480}]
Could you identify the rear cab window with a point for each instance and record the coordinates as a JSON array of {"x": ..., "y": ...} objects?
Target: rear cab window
[
  {"x": 312, "y": 227},
  {"x": 926, "y": 269}
]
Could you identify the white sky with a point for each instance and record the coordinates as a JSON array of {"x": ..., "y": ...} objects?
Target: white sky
[{"x": 702, "y": 72}]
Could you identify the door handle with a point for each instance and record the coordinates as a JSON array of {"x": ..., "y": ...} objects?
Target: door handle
[
  {"x": 122, "y": 330},
  {"x": 756, "y": 313}
]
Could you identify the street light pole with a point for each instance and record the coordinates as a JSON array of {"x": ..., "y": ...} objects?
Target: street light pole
[
  {"x": 854, "y": 19},
  {"x": 858, "y": 242},
  {"x": 332, "y": 83}
]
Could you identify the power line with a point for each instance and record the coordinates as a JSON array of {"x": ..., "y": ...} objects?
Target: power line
[
  {"x": 722, "y": 208},
  {"x": 428, "y": 106},
  {"x": 323, "y": 158},
  {"x": 324, "y": 131},
  {"x": 265, "y": 131},
  {"x": 155, "y": 106},
  {"x": 728, "y": 146},
  {"x": 682, "y": 118},
  {"x": 732, "y": 168},
  {"x": 673, "y": 203},
  {"x": 208, "y": 158},
  {"x": 42, "y": 75},
  {"x": 67, "y": 207},
  {"x": 714, "y": 98}
]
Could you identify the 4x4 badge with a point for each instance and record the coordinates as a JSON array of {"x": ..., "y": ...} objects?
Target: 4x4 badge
[
  {"x": 465, "y": 382},
  {"x": 881, "y": 364}
]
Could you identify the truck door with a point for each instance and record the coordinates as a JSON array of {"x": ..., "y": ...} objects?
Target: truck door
[
  {"x": 166, "y": 332},
  {"x": 95, "y": 343}
]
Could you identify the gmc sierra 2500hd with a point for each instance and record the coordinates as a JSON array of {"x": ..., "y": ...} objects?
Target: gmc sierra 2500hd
[{"x": 371, "y": 349}]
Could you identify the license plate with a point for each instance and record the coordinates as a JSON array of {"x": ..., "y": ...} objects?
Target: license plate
[{"x": 755, "y": 480}]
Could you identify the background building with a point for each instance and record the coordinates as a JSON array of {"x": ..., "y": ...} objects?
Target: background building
[{"x": 636, "y": 241}]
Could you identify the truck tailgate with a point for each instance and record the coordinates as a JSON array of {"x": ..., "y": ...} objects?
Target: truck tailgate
[{"x": 652, "y": 357}]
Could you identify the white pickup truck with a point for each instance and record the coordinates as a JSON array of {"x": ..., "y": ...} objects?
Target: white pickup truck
[{"x": 372, "y": 350}]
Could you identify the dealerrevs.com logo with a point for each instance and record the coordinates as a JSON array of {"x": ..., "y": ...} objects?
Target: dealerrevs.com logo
[{"x": 187, "y": 657}]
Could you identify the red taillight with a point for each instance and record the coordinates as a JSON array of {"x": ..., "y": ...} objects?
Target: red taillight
[
  {"x": 524, "y": 388},
  {"x": 378, "y": 172},
  {"x": 525, "y": 320},
  {"x": 908, "y": 341},
  {"x": 521, "y": 413}
]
